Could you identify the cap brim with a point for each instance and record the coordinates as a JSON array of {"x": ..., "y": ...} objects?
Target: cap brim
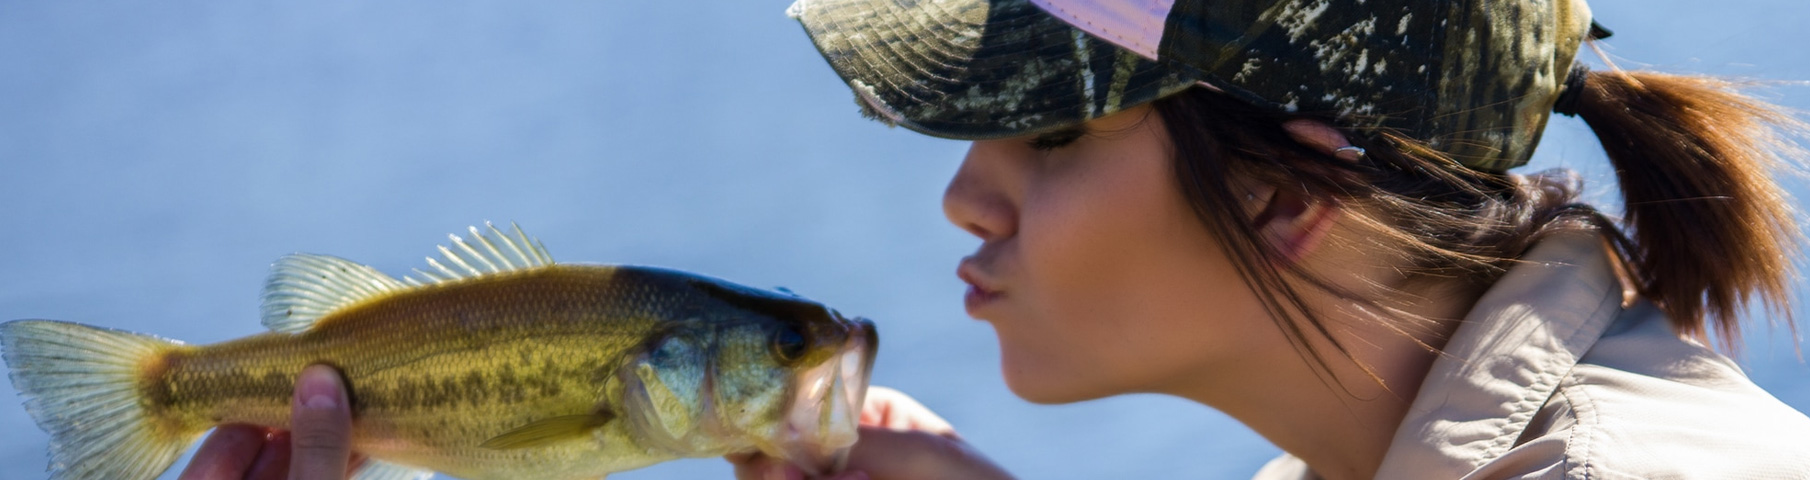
[{"x": 978, "y": 69}]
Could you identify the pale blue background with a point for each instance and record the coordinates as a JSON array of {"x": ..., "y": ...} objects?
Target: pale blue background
[{"x": 158, "y": 155}]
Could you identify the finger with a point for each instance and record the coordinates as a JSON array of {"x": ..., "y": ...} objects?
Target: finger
[
  {"x": 759, "y": 466},
  {"x": 273, "y": 462},
  {"x": 322, "y": 426},
  {"x": 1323, "y": 137},
  {"x": 746, "y": 471},
  {"x": 895, "y": 410},
  {"x": 898, "y": 454},
  {"x": 850, "y": 475},
  {"x": 747, "y": 465},
  {"x": 885, "y": 454},
  {"x": 226, "y": 454}
]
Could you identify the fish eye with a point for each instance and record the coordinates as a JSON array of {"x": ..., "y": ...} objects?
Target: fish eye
[{"x": 787, "y": 344}]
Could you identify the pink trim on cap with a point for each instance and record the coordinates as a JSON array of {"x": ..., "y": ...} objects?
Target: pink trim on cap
[{"x": 1135, "y": 25}]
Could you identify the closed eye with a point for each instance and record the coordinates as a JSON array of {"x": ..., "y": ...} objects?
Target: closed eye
[{"x": 1056, "y": 139}]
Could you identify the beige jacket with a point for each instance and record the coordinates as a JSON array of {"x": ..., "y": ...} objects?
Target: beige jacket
[{"x": 1550, "y": 377}]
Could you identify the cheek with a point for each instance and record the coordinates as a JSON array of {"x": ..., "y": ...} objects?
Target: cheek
[{"x": 1124, "y": 290}]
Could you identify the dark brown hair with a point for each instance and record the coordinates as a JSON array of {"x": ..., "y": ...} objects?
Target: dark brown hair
[
  {"x": 1688, "y": 150},
  {"x": 1695, "y": 160}
]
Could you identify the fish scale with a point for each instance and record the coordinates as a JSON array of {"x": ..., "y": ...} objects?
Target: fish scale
[{"x": 515, "y": 367}]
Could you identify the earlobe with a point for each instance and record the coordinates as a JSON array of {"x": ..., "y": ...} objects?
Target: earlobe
[{"x": 1293, "y": 223}]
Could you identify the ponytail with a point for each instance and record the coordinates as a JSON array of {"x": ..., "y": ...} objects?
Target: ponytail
[{"x": 1710, "y": 227}]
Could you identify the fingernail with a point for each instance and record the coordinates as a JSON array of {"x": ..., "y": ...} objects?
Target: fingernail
[{"x": 318, "y": 388}]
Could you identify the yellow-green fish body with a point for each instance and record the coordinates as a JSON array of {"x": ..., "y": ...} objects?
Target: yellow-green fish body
[{"x": 507, "y": 366}]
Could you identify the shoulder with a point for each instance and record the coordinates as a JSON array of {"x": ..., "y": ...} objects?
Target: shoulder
[{"x": 1644, "y": 403}]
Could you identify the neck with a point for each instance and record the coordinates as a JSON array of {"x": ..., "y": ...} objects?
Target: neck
[{"x": 1340, "y": 419}]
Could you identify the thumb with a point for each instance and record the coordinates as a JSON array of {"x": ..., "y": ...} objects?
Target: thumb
[{"x": 320, "y": 426}]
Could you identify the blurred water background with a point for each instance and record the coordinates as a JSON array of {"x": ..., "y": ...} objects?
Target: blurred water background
[{"x": 159, "y": 155}]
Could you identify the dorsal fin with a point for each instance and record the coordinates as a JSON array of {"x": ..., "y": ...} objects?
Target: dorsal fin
[
  {"x": 519, "y": 253},
  {"x": 304, "y": 287}
]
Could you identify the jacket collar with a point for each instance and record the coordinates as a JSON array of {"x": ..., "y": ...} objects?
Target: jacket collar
[{"x": 1506, "y": 358}]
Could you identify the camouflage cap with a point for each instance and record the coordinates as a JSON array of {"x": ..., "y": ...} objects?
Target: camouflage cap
[{"x": 1476, "y": 79}]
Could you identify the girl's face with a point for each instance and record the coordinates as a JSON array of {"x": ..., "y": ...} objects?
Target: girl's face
[{"x": 1094, "y": 271}]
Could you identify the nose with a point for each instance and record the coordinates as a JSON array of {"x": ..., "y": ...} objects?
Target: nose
[{"x": 979, "y": 198}]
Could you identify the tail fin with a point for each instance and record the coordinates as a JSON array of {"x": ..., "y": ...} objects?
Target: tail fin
[{"x": 82, "y": 385}]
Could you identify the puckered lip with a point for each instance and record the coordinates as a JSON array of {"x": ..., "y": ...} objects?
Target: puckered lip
[
  {"x": 972, "y": 271},
  {"x": 984, "y": 290}
]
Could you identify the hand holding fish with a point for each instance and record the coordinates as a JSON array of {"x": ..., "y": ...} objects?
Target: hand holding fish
[
  {"x": 319, "y": 448},
  {"x": 900, "y": 439}
]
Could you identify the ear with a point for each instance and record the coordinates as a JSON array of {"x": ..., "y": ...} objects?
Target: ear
[{"x": 1293, "y": 222}]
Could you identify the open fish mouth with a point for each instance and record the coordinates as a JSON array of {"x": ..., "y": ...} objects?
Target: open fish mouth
[{"x": 821, "y": 426}]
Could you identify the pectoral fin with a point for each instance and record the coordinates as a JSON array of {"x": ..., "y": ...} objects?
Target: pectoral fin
[{"x": 548, "y": 431}]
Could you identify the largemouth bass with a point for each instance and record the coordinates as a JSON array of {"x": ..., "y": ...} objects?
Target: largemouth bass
[{"x": 497, "y": 364}]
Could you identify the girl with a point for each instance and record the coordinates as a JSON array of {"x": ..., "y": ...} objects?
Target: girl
[{"x": 1299, "y": 212}]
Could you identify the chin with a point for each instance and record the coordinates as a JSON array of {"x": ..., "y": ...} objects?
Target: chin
[{"x": 1045, "y": 386}]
